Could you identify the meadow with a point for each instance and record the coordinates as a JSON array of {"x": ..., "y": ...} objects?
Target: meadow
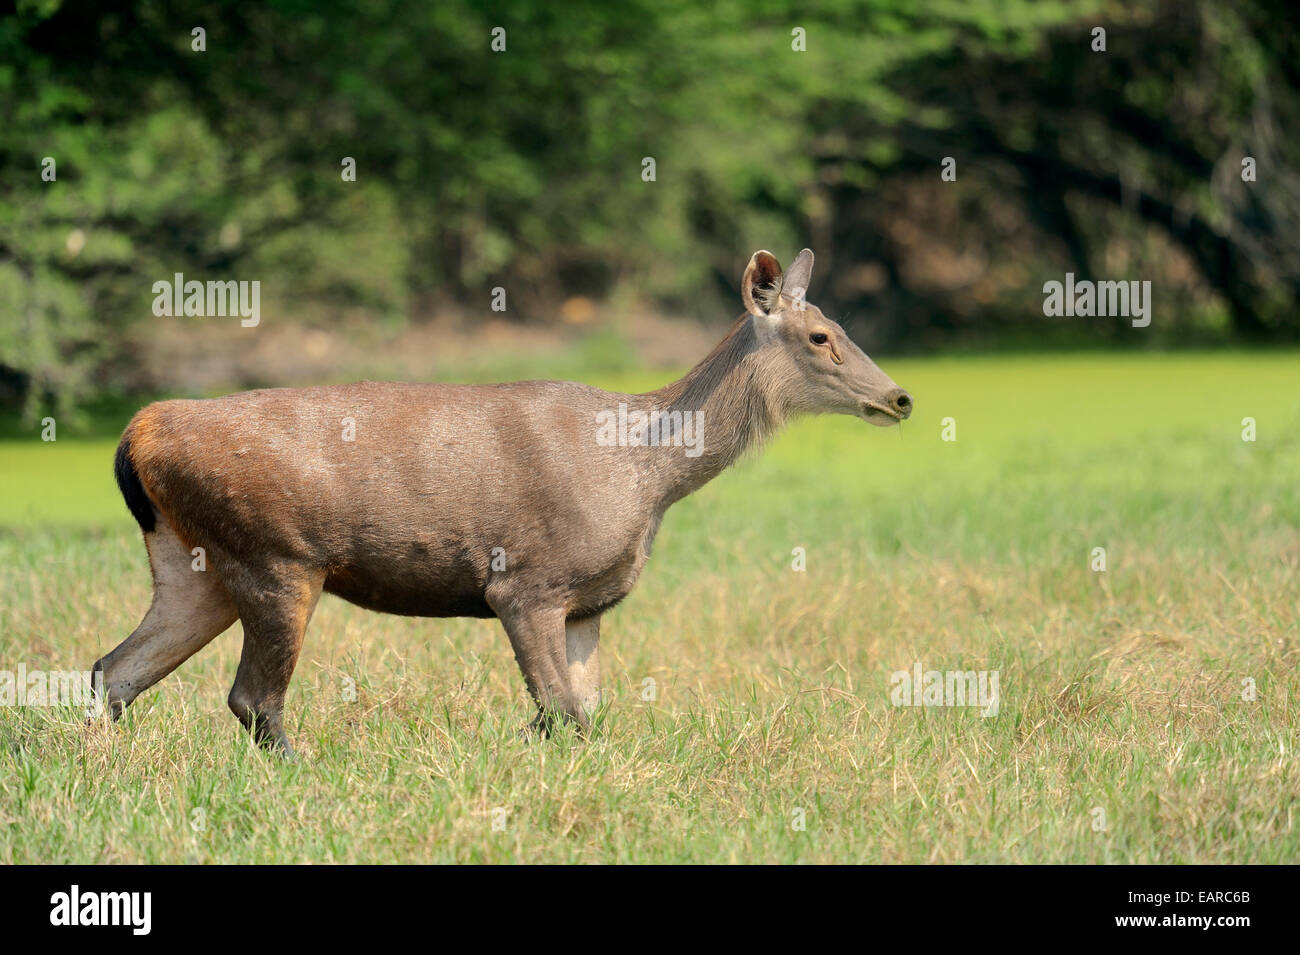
[{"x": 1148, "y": 712}]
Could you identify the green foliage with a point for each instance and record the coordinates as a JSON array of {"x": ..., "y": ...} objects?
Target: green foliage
[{"x": 523, "y": 168}]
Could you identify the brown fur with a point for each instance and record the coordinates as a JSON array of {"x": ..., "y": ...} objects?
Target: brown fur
[{"x": 408, "y": 517}]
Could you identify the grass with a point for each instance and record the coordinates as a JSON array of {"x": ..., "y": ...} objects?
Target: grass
[{"x": 1122, "y": 734}]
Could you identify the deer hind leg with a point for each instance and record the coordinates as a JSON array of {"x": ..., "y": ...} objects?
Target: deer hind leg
[
  {"x": 275, "y": 606},
  {"x": 539, "y": 641},
  {"x": 190, "y": 607}
]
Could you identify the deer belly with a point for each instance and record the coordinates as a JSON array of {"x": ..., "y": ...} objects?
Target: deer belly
[{"x": 411, "y": 591}]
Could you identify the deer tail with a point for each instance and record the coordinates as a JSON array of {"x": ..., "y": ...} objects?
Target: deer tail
[{"x": 128, "y": 481}]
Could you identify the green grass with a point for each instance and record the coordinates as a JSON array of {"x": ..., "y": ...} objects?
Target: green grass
[{"x": 1120, "y": 691}]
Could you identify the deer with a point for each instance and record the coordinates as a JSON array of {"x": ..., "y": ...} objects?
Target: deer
[{"x": 446, "y": 500}]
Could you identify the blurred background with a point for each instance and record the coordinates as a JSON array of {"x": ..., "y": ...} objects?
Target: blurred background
[{"x": 523, "y": 170}]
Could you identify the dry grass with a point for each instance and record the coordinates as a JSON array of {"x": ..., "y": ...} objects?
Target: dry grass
[{"x": 1121, "y": 697}]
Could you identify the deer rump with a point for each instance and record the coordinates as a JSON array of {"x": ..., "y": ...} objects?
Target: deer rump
[{"x": 423, "y": 500}]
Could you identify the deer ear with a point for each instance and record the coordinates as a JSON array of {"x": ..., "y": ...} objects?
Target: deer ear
[
  {"x": 795, "y": 282},
  {"x": 763, "y": 272}
]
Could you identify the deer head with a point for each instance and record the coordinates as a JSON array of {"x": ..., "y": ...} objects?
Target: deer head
[{"x": 817, "y": 365}]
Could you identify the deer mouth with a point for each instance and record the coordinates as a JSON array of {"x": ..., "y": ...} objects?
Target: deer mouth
[{"x": 882, "y": 416}]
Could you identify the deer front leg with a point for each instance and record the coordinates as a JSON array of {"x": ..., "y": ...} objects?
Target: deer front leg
[
  {"x": 539, "y": 641},
  {"x": 582, "y": 651}
]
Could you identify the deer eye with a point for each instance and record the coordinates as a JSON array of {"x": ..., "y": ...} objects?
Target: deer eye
[{"x": 817, "y": 338}]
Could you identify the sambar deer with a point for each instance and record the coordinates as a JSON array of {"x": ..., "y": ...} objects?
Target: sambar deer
[{"x": 506, "y": 500}]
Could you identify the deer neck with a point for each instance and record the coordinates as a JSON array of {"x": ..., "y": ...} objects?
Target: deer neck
[{"x": 732, "y": 407}]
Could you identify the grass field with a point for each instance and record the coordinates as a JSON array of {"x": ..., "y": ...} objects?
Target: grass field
[{"x": 1122, "y": 734}]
